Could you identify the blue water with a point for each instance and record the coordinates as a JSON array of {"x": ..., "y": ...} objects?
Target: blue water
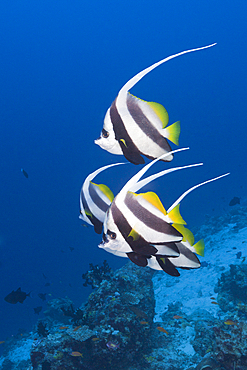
[{"x": 61, "y": 65}]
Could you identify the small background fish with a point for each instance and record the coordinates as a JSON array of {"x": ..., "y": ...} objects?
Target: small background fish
[{"x": 24, "y": 173}]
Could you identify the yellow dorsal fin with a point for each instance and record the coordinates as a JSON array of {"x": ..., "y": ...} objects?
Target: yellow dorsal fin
[
  {"x": 175, "y": 216},
  {"x": 199, "y": 247},
  {"x": 153, "y": 199},
  {"x": 105, "y": 190},
  {"x": 187, "y": 234},
  {"x": 134, "y": 235},
  {"x": 173, "y": 132},
  {"x": 160, "y": 111}
]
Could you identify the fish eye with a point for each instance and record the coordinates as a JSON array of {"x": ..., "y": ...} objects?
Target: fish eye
[
  {"x": 105, "y": 133},
  {"x": 111, "y": 234}
]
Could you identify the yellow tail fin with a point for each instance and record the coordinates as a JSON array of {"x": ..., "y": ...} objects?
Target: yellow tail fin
[
  {"x": 199, "y": 247},
  {"x": 173, "y": 132}
]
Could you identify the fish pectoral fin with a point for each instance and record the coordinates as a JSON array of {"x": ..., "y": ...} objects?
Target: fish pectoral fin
[
  {"x": 124, "y": 142},
  {"x": 175, "y": 216},
  {"x": 172, "y": 132},
  {"x": 199, "y": 247},
  {"x": 131, "y": 155},
  {"x": 88, "y": 213},
  {"x": 134, "y": 235},
  {"x": 139, "y": 245},
  {"x": 167, "y": 266}
]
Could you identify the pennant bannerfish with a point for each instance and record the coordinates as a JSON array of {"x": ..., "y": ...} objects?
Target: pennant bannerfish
[
  {"x": 139, "y": 227},
  {"x": 134, "y": 127},
  {"x": 95, "y": 200}
]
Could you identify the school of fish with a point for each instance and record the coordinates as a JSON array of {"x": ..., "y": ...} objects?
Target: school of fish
[{"x": 137, "y": 225}]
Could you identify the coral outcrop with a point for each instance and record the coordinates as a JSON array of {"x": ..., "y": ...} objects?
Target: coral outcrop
[{"x": 112, "y": 331}]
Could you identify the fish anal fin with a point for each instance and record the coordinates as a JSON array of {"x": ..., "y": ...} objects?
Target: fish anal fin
[
  {"x": 187, "y": 234},
  {"x": 153, "y": 199},
  {"x": 161, "y": 112},
  {"x": 131, "y": 155},
  {"x": 172, "y": 132},
  {"x": 199, "y": 247},
  {"x": 105, "y": 190},
  {"x": 175, "y": 216}
]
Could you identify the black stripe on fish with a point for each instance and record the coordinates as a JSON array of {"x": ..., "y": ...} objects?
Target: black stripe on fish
[
  {"x": 130, "y": 151},
  {"x": 145, "y": 125},
  {"x": 148, "y": 218},
  {"x": 96, "y": 199},
  {"x": 140, "y": 245},
  {"x": 98, "y": 225}
]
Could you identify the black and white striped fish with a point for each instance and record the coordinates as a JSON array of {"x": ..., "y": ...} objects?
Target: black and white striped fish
[
  {"x": 95, "y": 199},
  {"x": 134, "y": 127},
  {"x": 139, "y": 227}
]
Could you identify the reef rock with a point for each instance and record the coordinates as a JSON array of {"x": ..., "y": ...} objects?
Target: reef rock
[
  {"x": 111, "y": 331},
  {"x": 232, "y": 287}
]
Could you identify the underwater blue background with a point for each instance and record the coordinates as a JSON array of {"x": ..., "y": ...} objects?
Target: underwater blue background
[{"x": 62, "y": 64}]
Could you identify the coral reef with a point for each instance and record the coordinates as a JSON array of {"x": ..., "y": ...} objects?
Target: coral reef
[
  {"x": 209, "y": 364},
  {"x": 199, "y": 324},
  {"x": 57, "y": 307},
  {"x": 114, "y": 330},
  {"x": 231, "y": 346},
  {"x": 96, "y": 274},
  {"x": 41, "y": 329},
  {"x": 232, "y": 287}
]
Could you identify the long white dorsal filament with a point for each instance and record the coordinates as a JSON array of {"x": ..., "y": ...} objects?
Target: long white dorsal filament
[
  {"x": 133, "y": 181},
  {"x": 193, "y": 188},
  {"x": 147, "y": 180},
  {"x": 141, "y": 74},
  {"x": 92, "y": 175}
]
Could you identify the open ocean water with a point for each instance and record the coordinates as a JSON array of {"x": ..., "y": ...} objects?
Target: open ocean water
[{"x": 62, "y": 64}]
